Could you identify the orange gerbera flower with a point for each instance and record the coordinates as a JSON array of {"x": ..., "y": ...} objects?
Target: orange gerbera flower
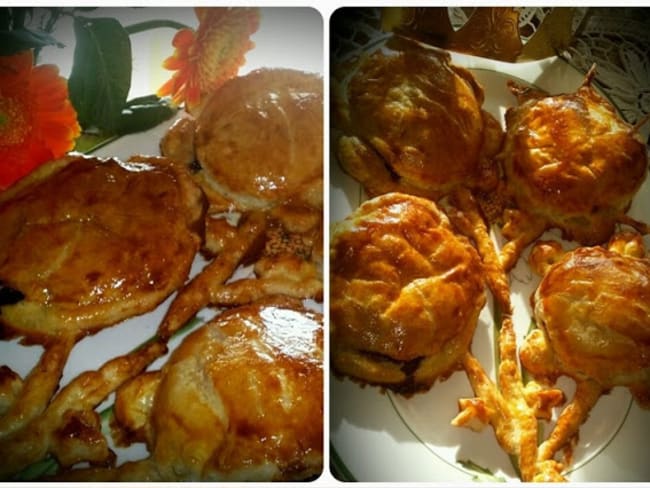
[
  {"x": 37, "y": 121},
  {"x": 206, "y": 58}
]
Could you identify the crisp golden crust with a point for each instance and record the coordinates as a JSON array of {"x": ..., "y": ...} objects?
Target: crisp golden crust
[
  {"x": 259, "y": 140},
  {"x": 178, "y": 141},
  {"x": 413, "y": 123},
  {"x": 570, "y": 160},
  {"x": 89, "y": 242},
  {"x": 258, "y": 147},
  {"x": 132, "y": 407},
  {"x": 261, "y": 381},
  {"x": 407, "y": 104},
  {"x": 404, "y": 288},
  {"x": 240, "y": 399},
  {"x": 594, "y": 309},
  {"x": 69, "y": 428}
]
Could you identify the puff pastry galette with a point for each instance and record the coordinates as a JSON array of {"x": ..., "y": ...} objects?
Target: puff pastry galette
[
  {"x": 240, "y": 399},
  {"x": 413, "y": 122},
  {"x": 592, "y": 309},
  {"x": 256, "y": 150},
  {"x": 84, "y": 244},
  {"x": 570, "y": 162},
  {"x": 406, "y": 292}
]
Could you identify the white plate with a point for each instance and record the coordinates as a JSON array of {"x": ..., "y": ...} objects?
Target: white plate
[
  {"x": 288, "y": 38},
  {"x": 385, "y": 437}
]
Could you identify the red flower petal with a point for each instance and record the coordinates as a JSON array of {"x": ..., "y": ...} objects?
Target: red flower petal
[
  {"x": 205, "y": 59},
  {"x": 38, "y": 123}
]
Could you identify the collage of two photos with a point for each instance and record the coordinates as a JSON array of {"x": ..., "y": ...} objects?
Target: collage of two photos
[{"x": 380, "y": 244}]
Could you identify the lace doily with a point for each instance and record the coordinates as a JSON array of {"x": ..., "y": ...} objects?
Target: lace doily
[{"x": 618, "y": 41}]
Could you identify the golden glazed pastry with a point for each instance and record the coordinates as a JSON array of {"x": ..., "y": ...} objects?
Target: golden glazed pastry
[
  {"x": 240, "y": 399},
  {"x": 257, "y": 148},
  {"x": 592, "y": 309},
  {"x": 89, "y": 242},
  {"x": 413, "y": 122},
  {"x": 405, "y": 294},
  {"x": 570, "y": 162},
  {"x": 258, "y": 142},
  {"x": 84, "y": 244},
  {"x": 593, "y": 312}
]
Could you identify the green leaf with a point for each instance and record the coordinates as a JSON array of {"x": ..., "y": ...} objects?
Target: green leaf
[
  {"x": 5, "y": 18},
  {"x": 101, "y": 72},
  {"x": 144, "y": 113},
  {"x": 45, "y": 467},
  {"x": 481, "y": 473},
  {"x": 19, "y": 16},
  {"x": 89, "y": 142},
  {"x": 153, "y": 98}
]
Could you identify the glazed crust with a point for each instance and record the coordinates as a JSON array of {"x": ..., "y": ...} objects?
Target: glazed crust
[
  {"x": 418, "y": 114},
  {"x": 242, "y": 398},
  {"x": 89, "y": 242},
  {"x": 259, "y": 140},
  {"x": 571, "y": 160},
  {"x": 594, "y": 308},
  {"x": 405, "y": 294}
]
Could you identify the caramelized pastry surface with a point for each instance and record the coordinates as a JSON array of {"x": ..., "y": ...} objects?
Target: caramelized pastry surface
[{"x": 406, "y": 292}]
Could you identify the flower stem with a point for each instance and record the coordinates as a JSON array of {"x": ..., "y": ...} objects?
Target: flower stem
[{"x": 154, "y": 24}]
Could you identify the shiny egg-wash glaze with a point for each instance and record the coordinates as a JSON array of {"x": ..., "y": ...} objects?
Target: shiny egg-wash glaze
[
  {"x": 240, "y": 399},
  {"x": 256, "y": 149},
  {"x": 570, "y": 163},
  {"x": 87, "y": 243},
  {"x": 592, "y": 310},
  {"x": 412, "y": 123},
  {"x": 406, "y": 292}
]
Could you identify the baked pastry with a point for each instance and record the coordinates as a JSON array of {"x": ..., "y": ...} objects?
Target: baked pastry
[
  {"x": 405, "y": 294},
  {"x": 240, "y": 399},
  {"x": 413, "y": 122},
  {"x": 89, "y": 242},
  {"x": 570, "y": 162},
  {"x": 258, "y": 142},
  {"x": 257, "y": 148},
  {"x": 592, "y": 310},
  {"x": 84, "y": 244}
]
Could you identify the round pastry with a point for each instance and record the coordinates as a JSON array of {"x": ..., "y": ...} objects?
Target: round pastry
[
  {"x": 593, "y": 311},
  {"x": 413, "y": 122},
  {"x": 240, "y": 399},
  {"x": 256, "y": 149},
  {"x": 88, "y": 242},
  {"x": 259, "y": 140},
  {"x": 571, "y": 162},
  {"x": 405, "y": 294}
]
